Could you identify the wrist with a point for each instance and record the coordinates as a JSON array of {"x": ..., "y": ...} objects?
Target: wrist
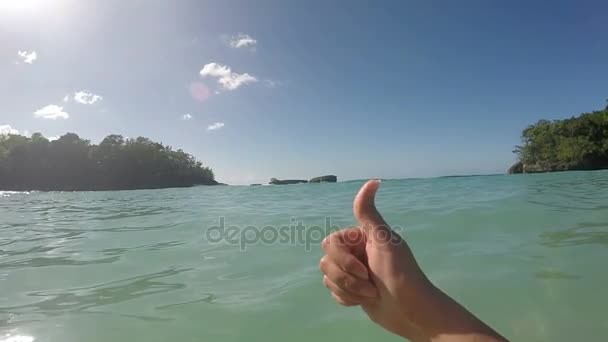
[
  {"x": 438, "y": 317},
  {"x": 417, "y": 300}
]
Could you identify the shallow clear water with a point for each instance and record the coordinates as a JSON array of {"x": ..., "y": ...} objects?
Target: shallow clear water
[{"x": 527, "y": 253}]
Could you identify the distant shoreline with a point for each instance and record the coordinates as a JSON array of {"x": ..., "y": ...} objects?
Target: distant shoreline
[
  {"x": 361, "y": 180},
  {"x": 70, "y": 163}
]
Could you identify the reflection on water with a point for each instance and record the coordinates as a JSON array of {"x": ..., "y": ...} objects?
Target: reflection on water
[
  {"x": 209, "y": 298},
  {"x": 150, "y": 247},
  {"x": 555, "y": 274},
  {"x": 525, "y": 252},
  {"x": 16, "y": 338},
  {"x": 81, "y": 299},
  {"x": 575, "y": 236},
  {"x": 53, "y": 261}
]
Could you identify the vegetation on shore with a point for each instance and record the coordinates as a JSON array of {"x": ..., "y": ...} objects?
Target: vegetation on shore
[
  {"x": 71, "y": 163},
  {"x": 577, "y": 143}
]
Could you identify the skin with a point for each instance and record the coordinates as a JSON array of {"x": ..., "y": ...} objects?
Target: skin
[{"x": 373, "y": 267}]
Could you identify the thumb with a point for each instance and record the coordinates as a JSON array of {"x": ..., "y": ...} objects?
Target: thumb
[{"x": 368, "y": 217}]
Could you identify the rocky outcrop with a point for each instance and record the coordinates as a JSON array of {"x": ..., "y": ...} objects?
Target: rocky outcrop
[
  {"x": 328, "y": 179},
  {"x": 286, "y": 181},
  {"x": 516, "y": 168},
  {"x": 520, "y": 167},
  {"x": 255, "y": 184},
  {"x": 320, "y": 179}
]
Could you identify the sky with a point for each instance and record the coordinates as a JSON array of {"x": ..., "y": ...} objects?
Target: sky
[{"x": 297, "y": 89}]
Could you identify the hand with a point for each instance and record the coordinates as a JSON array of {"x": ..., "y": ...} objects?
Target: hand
[{"x": 372, "y": 266}]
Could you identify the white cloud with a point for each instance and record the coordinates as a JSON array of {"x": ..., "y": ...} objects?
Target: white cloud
[
  {"x": 52, "y": 112},
  {"x": 215, "y": 126},
  {"x": 28, "y": 57},
  {"x": 236, "y": 81},
  {"x": 242, "y": 40},
  {"x": 7, "y": 129},
  {"x": 53, "y": 138},
  {"x": 216, "y": 70},
  {"x": 86, "y": 97},
  {"x": 66, "y": 98},
  {"x": 225, "y": 77},
  {"x": 186, "y": 116}
]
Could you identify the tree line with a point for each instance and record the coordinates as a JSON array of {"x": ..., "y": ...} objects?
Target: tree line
[
  {"x": 577, "y": 143},
  {"x": 71, "y": 163}
]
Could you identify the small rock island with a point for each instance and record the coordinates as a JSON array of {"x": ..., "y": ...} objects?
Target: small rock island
[
  {"x": 327, "y": 179},
  {"x": 320, "y": 179},
  {"x": 286, "y": 181}
]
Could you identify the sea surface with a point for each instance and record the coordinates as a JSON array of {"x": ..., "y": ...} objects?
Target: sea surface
[{"x": 526, "y": 253}]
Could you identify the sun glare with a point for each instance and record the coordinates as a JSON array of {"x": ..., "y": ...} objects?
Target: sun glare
[{"x": 25, "y": 5}]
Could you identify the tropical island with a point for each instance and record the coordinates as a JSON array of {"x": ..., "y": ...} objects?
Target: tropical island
[
  {"x": 71, "y": 163},
  {"x": 577, "y": 143}
]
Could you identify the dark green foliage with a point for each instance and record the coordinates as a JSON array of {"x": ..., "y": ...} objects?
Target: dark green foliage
[
  {"x": 71, "y": 163},
  {"x": 578, "y": 143}
]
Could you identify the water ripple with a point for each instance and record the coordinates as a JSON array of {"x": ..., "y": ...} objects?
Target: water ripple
[{"x": 136, "y": 265}]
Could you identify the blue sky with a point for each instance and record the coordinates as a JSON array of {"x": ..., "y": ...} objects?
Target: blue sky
[{"x": 296, "y": 89}]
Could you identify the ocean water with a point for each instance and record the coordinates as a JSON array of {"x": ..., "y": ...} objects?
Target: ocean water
[{"x": 526, "y": 253}]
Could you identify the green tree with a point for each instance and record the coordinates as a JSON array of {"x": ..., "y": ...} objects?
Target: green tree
[
  {"x": 72, "y": 163},
  {"x": 577, "y": 143}
]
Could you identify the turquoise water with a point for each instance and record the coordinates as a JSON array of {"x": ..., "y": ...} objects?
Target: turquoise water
[{"x": 527, "y": 253}]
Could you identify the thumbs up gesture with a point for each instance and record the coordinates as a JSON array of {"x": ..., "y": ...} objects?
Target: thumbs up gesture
[{"x": 372, "y": 266}]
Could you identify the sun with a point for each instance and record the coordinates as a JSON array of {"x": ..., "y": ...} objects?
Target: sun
[{"x": 25, "y": 5}]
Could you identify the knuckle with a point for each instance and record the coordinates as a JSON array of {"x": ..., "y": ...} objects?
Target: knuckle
[
  {"x": 327, "y": 242},
  {"x": 346, "y": 303},
  {"x": 326, "y": 281},
  {"x": 323, "y": 264},
  {"x": 356, "y": 286},
  {"x": 339, "y": 300},
  {"x": 350, "y": 264},
  {"x": 331, "y": 242},
  {"x": 352, "y": 237},
  {"x": 345, "y": 281}
]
